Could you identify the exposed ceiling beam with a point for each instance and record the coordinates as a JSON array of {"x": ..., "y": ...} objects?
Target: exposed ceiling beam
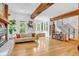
[
  {"x": 67, "y": 15},
  {"x": 40, "y": 9},
  {"x": 6, "y": 11},
  {"x": 4, "y": 20}
]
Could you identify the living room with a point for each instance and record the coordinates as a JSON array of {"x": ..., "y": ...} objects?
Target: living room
[{"x": 32, "y": 28}]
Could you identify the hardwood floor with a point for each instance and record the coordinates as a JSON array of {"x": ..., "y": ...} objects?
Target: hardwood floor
[{"x": 46, "y": 47}]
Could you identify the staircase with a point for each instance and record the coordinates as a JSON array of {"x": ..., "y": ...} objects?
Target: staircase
[{"x": 66, "y": 29}]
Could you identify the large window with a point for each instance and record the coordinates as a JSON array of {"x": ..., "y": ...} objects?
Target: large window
[
  {"x": 22, "y": 27},
  {"x": 46, "y": 26},
  {"x": 38, "y": 27},
  {"x": 34, "y": 26},
  {"x": 42, "y": 26}
]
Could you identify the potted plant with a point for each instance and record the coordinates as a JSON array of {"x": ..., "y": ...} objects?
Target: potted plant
[{"x": 12, "y": 27}]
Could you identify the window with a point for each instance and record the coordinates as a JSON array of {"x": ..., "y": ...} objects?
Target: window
[
  {"x": 46, "y": 27},
  {"x": 42, "y": 26},
  {"x": 34, "y": 26},
  {"x": 26, "y": 27},
  {"x": 38, "y": 27},
  {"x": 22, "y": 27}
]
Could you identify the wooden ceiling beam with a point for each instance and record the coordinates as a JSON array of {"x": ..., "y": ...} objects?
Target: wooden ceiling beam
[
  {"x": 40, "y": 9},
  {"x": 4, "y": 18},
  {"x": 6, "y": 11},
  {"x": 67, "y": 15}
]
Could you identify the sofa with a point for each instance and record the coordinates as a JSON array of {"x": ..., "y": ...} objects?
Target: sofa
[
  {"x": 28, "y": 37},
  {"x": 24, "y": 37}
]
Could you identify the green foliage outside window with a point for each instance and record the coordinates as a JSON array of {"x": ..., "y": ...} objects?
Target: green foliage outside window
[
  {"x": 36, "y": 26},
  {"x": 22, "y": 27}
]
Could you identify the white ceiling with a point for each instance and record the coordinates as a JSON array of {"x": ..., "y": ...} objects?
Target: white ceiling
[
  {"x": 22, "y": 8},
  {"x": 58, "y": 9},
  {"x": 54, "y": 10}
]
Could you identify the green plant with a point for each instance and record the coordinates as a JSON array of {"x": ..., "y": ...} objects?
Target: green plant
[
  {"x": 12, "y": 29},
  {"x": 12, "y": 26},
  {"x": 12, "y": 22}
]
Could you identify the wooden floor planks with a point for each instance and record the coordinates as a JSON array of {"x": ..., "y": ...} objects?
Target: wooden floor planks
[{"x": 46, "y": 47}]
